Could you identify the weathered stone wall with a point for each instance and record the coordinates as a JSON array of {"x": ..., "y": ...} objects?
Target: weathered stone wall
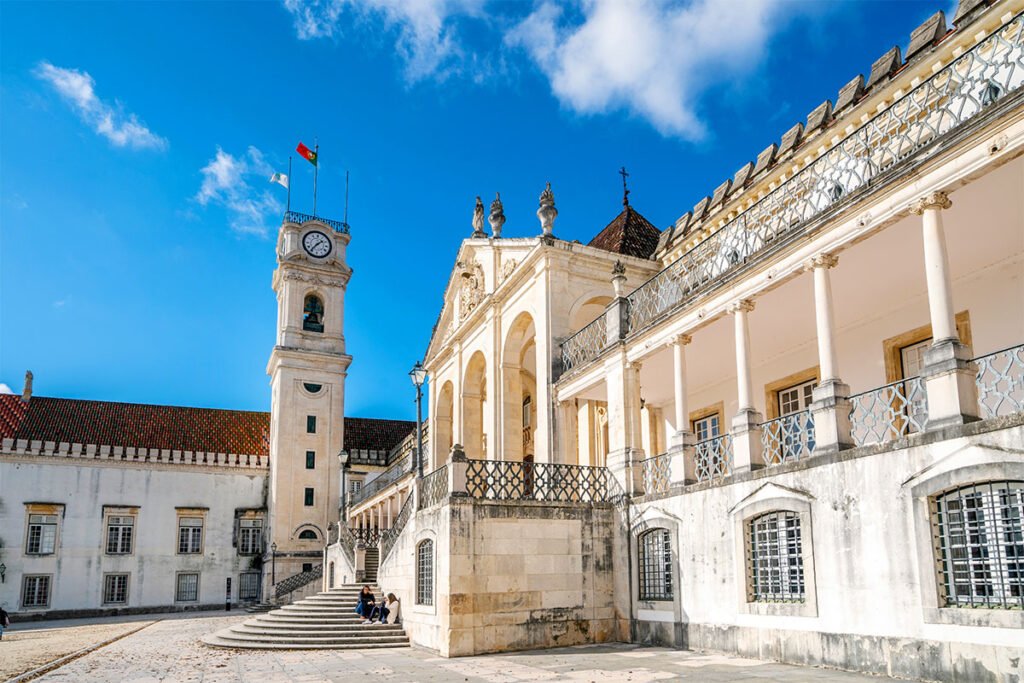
[{"x": 872, "y": 600}]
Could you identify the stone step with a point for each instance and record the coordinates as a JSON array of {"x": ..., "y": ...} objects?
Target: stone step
[
  {"x": 216, "y": 641},
  {"x": 232, "y": 635},
  {"x": 252, "y": 626}
]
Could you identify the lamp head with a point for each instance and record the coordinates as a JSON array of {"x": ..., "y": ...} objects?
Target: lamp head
[{"x": 418, "y": 374}]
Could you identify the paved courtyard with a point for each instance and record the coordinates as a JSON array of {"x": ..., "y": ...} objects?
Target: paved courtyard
[{"x": 166, "y": 649}]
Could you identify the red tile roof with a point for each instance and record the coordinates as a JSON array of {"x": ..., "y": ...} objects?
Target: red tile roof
[
  {"x": 630, "y": 234},
  {"x": 135, "y": 424},
  {"x": 168, "y": 427}
]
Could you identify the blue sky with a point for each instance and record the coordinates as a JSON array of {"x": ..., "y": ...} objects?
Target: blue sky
[{"x": 137, "y": 224}]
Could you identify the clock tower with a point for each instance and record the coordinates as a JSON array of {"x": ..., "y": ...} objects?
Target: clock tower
[{"x": 307, "y": 371}]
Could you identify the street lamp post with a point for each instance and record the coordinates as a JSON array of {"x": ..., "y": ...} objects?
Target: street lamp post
[
  {"x": 418, "y": 374},
  {"x": 273, "y": 563}
]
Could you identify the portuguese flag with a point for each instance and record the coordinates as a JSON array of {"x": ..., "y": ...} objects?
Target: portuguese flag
[{"x": 307, "y": 154}]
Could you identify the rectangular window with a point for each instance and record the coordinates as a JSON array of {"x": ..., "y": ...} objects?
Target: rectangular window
[
  {"x": 188, "y": 588},
  {"x": 309, "y": 497},
  {"x": 310, "y": 460},
  {"x": 355, "y": 486},
  {"x": 250, "y": 536},
  {"x": 42, "y": 535},
  {"x": 912, "y": 358},
  {"x": 115, "y": 589},
  {"x": 249, "y": 586},
  {"x": 120, "y": 531},
  {"x": 35, "y": 591},
  {"x": 190, "y": 535},
  {"x": 307, "y": 566},
  {"x": 775, "y": 568},
  {"x": 656, "y": 565},
  {"x": 796, "y": 398},
  {"x": 707, "y": 427},
  {"x": 311, "y": 424}
]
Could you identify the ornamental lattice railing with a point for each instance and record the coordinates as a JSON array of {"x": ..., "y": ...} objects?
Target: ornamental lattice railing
[
  {"x": 369, "y": 537},
  {"x": 787, "y": 438},
  {"x": 713, "y": 458},
  {"x": 1001, "y": 382},
  {"x": 888, "y": 412},
  {"x": 585, "y": 344},
  {"x": 296, "y": 217},
  {"x": 502, "y": 480},
  {"x": 433, "y": 488},
  {"x": 657, "y": 472},
  {"x": 386, "y": 478},
  {"x": 988, "y": 73},
  {"x": 389, "y": 537},
  {"x": 297, "y": 581}
]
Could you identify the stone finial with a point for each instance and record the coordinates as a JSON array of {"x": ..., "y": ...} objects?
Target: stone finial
[
  {"x": 849, "y": 94},
  {"x": 927, "y": 34},
  {"x": 619, "y": 279},
  {"x": 26, "y": 392},
  {"x": 478, "y": 219},
  {"x": 497, "y": 215},
  {"x": 546, "y": 212},
  {"x": 934, "y": 200},
  {"x": 885, "y": 65}
]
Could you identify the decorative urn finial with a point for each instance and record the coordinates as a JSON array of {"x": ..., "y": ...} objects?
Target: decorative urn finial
[
  {"x": 547, "y": 211},
  {"x": 619, "y": 279},
  {"x": 478, "y": 219},
  {"x": 497, "y": 217}
]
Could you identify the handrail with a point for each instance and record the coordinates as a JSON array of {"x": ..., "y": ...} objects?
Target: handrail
[
  {"x": 390, "y": 537},
  {"x": 296, "y": 217},
  {"x": 381, "y": 482},
  {"x": 297, "y": 581}
]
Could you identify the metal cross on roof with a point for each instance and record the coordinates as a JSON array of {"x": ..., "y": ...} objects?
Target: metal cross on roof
[{"x": 625, "y": 190}]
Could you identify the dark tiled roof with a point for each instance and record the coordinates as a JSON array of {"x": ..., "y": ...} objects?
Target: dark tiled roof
[
  {"x": 372, "y": 434},
  {"x": 135, "y": 424},
  {"x": 630, "y": 234}
]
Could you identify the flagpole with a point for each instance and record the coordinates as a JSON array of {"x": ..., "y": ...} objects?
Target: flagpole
[
  {"x": 346, "y": 198},
  {"x": 288, "y": 202},
  {"x": 316, "y": 171}
]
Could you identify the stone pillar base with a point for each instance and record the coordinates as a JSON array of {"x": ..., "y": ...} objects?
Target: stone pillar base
[
  {"x": 624, "y": 465},
  {"x": 747, "y": 449},
  {"x": 830, "y": 411},
  {"x": 950, "y": 384},
  {"x": 683, "y": 465}
]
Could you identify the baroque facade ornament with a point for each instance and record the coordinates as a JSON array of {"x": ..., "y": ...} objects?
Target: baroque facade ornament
[
  {"x": 478, "y": 219},
  {"x": 472, "y": 290},
  {"x": 508, "y": 266},
  {"x": 309, "y": 278},
  {"x": 933, "y": 201},
  {"x": 547, "y": 212},
  {"x": 497, "y": 216}
]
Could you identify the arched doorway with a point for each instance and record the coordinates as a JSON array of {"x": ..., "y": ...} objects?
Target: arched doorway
[
  {"x": 474, "y": 402},
  {"x": 519, "y": 390}
]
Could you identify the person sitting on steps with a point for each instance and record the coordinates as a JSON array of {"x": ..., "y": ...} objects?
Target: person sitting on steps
[{"x": 364, "y": 607}]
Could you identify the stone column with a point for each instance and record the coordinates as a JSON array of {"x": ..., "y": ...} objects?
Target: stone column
[
  {"x": 948, "y": 373},
  {"x": 390, "y": 510},
  {"x": 746, "y": 425},
  {"x": 683, "y": 463},
  {"x": 624, "y": 451},
  {"x": 830, "y": 408}
]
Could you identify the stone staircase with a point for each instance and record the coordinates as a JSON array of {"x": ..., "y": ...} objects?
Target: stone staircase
[
  {"x": 325, "y": 621},
  {"x": 371, "y": 564}
]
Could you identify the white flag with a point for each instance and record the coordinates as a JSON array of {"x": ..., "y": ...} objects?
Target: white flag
[{"x": 280, "y": 178}]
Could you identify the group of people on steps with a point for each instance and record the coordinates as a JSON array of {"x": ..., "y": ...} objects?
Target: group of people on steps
[{"x": 387, "y": 612}]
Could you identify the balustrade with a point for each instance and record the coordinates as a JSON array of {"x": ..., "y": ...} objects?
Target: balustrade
[
  {"x": 386, "y": 478},
  {"x": 1001, "y": 382},
  {"x": 889, "y": 412},
  {"x": 787, "y": 438},
  {"x": 296, "y": 217},
  {"x": 657, "y": 473},
  {"x": 585, "y": 344},
  {"x": 501, "y": 480},
  {"x": 389, "y": 537},
  {"x": 433, "y": 488},
  {"x": 713, "y": 458}
]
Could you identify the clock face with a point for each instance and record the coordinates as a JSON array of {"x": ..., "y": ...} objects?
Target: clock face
[{"x": 316, "y": 244}]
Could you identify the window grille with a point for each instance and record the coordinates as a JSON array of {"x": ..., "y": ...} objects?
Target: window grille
[
  {"x": 115, "y": 588},
  {"x": 425, "y": 573},
  {"x": 35, "y": 591},
  {"x": 775, "y": 558},
  {"x": 190, "y": 535},
  {"x": 249, "y": 586},
  {"x": 188, "y": 588},
  {"x": 250, "y": 536},
  {"x": 42, "y": 535},
  {"x": 119, "y": 535},
  {"x": 656, "y": 565},
  {"x": 979, "y": 545}
]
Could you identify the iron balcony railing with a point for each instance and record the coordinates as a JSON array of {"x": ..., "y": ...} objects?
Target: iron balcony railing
[
  {"x": 657, "y": 473},
  {"x": 386, "y": 478},
  {"x": 369, "y": 536},
  {"x": 296, "y": 217},
  {"x": 713, "y": 458},
  {"x": 888, "y": 412},
  {"x": 433, "y": 488},
  {"x": 297, "y": 581},
  {"x": 504, "y": 480},
  {"x": 1001, "y": 382},
  {"x": 988, "y": 73},
  {"x": 787, "y": 438}
]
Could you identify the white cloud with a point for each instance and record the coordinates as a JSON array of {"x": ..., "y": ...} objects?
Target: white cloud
[
  {"x": 225, "y": 184},
  {"x": 4, "y": 389},
  {"x": 109, "y": 120},
  {"x": 428, "y": 41},
  {"x": 652, "y": 58}
]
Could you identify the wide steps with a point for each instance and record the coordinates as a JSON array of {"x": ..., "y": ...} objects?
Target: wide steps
[{"x": 326, "y": 620}]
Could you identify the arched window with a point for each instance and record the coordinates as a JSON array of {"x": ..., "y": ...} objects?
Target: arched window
[
  {"x": 979, "y": 545},
  {"x": 308, "y": 535},
  {"x": 425, "y": 573},
  {"x": 775, "y": 563},
  {"x": 656, "y": 565},
  {"x": 313, "y": 314}
]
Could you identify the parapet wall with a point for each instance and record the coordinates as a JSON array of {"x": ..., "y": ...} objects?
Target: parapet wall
[{"x": 108, "y": 453}]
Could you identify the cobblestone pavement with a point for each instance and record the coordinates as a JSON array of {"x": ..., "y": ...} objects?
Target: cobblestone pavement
[{"x": 168, "y": 651}]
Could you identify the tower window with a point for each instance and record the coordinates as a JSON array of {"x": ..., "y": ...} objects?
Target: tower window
[
  {"x": 311, "y": 424},
  {"x": 307, "y": 535},
  {"x": 309, "y": 497},
  {"x": 310, "y": 460},
  {"x": 313, "y": 314}
]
